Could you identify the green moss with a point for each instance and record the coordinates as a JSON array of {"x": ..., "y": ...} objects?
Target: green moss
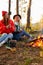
[{"x": 27, "y": 61}]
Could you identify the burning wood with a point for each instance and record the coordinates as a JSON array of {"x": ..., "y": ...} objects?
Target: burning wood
[{"x": 37, "y": 42}]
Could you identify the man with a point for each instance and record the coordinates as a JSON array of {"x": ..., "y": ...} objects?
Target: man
[
  {"x": 6, "y": 28},
  {"x": 19, "y": 32}
]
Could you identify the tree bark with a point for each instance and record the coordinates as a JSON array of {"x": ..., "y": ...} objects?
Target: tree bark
[
  {"x": 28, "y": 14},
  {"x": 9, "y": 8},
  {"x": 17, "y": 6}
]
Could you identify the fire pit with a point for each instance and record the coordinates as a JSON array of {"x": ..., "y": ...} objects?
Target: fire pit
[{"x": 36, "y": 42}]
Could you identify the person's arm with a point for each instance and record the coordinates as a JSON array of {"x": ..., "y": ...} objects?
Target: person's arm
[
  {"x": 2, "y": 28},
  {"x": 12, "y": 27}
]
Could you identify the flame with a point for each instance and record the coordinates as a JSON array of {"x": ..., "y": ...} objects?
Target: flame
[
  {"x": 38, "y": 42},
  {"x": 39, "y": 37}
]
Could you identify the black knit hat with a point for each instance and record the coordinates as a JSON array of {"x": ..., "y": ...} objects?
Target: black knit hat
[{"x": 16, "y": 15}]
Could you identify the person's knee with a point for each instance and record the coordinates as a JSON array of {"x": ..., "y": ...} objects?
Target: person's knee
[
  {"x": 23, "y": 32},
  {"x": 4, "y": 34},
  {"x": 10, "y": 35}
]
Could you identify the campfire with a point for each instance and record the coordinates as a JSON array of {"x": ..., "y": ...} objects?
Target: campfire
[{"x": 37, "y": 42}]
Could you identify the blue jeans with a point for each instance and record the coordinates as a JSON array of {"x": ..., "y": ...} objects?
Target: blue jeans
[
  {"x": 17, "y": 36},
  {"x": 5, "y": 37}
]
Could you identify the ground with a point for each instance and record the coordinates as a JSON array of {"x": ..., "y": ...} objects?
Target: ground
[{"x": 22, "y": 56}]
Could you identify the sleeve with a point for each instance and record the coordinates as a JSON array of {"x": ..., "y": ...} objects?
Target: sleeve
[
  {"x": 12, "y": 26},
  {"x": 2, "y": 29}
]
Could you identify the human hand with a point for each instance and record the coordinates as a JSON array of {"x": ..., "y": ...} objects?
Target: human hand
[
  {"x": 8, "y": 26},
  {"x": 20, "y": 29}
]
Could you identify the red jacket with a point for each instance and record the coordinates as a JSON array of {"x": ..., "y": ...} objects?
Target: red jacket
[{"x": 3, "y": 28}]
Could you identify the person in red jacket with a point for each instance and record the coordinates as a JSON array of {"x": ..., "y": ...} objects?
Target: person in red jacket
[{"x": 6, "y": 28}]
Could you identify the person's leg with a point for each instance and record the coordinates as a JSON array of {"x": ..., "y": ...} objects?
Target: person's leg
[
  {"x": 9, "y": 36},
  {"x": 16, "y": 36},
  {"x": 4, "y": 35},
  {"x": 25, "y": 33},
  {"x": 22, "y": 33}
]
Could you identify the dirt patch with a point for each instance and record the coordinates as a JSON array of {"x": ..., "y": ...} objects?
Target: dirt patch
[{"x": 22, "y": 56}]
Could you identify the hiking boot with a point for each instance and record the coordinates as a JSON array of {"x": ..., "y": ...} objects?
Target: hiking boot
[
  {"x": 11, "y": 49},
  {"x": 30, "y": 39},
  {"x": 11, "y": 44}
]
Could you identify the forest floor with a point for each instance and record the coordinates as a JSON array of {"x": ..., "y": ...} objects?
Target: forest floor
[{"x": 22, "y": 56}]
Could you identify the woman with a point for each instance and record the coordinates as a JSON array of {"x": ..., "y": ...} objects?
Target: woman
[{"x": 6, "y": 28}]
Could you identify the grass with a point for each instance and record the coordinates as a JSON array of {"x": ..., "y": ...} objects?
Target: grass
[{"x": 27, "y": 61}]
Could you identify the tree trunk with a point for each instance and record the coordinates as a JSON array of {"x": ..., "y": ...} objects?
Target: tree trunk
[
  {"x": 28, "y": 14},
  {"x": 9, "y": 8},
  {"x": 17, "y": 6}
]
